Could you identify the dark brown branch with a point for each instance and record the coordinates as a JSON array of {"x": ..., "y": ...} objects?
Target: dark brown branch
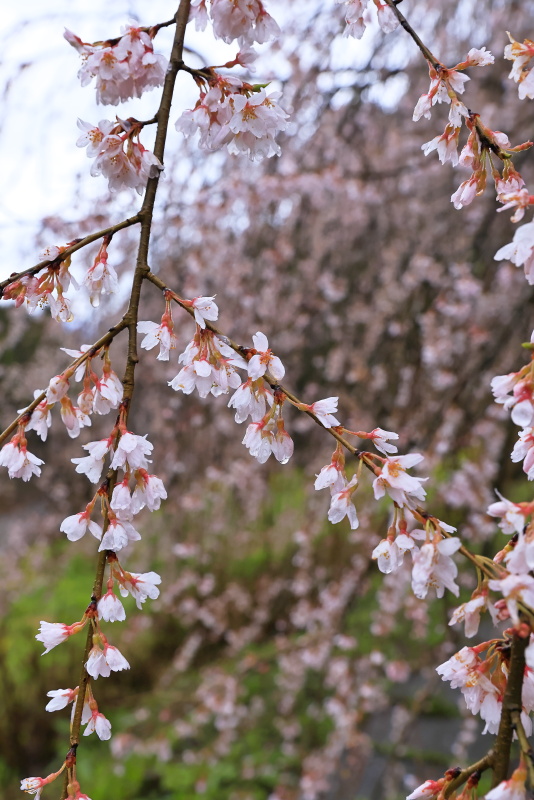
[
  {"x": 511, "y": 702},
  {"x": 131, "y": 316}
]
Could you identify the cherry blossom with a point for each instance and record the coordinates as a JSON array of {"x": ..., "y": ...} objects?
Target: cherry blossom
[
  {"x": 427, "y": 790},
  {"x": 122, "y": 70},
  {"x": 324, "y": 411},
  {"x": 251, "y": 400},
  {"x": 19, "y": 461},
  {"x": 264, "y": 360},
  {"x": 124, "y": 168},
  {"x": 469, "y": 613},
  {"x": 209, "y": 366},
  {"x": 93, "y": 464},
  {"x": 118, "y": 534},
  {"x": 76, "y": 525},
  {"x": 512, "y": 514},
  {"x": 515, "y": 589},
  {"x": 101, "y": 278},
  {"x": 404, "y": 489},
  {"x": 204, "y": 309},
  {"x": 389, "y": 553},
  {"x": 149, "y": 491},
  {"x": 246, "y": 121},
  {"x": 381, "y": 438},
  {"x": 141, "y": 586},
  {"x": 110, "y": 608},
  {"x": 131, "y": 452},
  {"x": 434, "y": 568},
  {"x": 100, "y": 724},
  {"x": 269, "y": 436},
  {"x": 60, "y": 698},
  {"x": 524, "y": 451},
  {"x": 513, "y": 789},
  {"x": 53, "y": 633},
  {"x": 333, "y": 474},
  {"x": 520, "y": 251},
  {"x": 357, "y": 15},
  {"x": 521, "y": 54},
  {"x": 341, "y": 505},
  {"x": 105, "y": 661},
  {"x": 246, "y": 20}
]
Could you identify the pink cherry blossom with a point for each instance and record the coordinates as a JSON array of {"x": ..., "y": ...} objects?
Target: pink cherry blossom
[{"x": 100, "y": 724}]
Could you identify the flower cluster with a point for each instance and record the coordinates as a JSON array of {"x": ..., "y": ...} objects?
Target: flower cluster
[
  {"x": 118, "y": 157},
  {"x": 521, "y": 54},
  {"x": 238, "y": 115},
  {"x": 124, "y": 68},
  {"x": 357, "y": 17},
  {"x": 246, "y": 20},
  {"x": 49, "y": 288}
]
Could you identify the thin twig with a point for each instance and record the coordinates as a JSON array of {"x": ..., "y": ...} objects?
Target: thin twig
[{"x": 77, "y": 245}]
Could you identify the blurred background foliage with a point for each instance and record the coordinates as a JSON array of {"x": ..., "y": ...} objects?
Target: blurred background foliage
[{"x": 278, "y": 664}]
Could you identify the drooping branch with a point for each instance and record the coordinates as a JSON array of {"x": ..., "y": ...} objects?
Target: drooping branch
[{"x": 73, "y": 248}]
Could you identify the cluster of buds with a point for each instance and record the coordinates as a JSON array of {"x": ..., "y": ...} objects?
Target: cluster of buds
[
  {"x": 124, "y": 67},
  {"x": 119, "y": 155},
  {"x": 49, "y": 288}
]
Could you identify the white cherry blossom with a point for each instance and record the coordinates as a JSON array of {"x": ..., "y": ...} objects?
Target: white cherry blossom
[
  {"x": 404, "y": 489},
  {"x": 434, "y": 568},
  {"x": 264, "y": 360}
]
